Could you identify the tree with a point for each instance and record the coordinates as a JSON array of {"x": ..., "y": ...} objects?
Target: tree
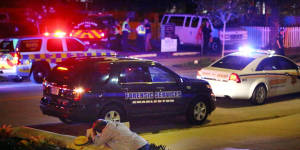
[{"x": 221, "y": 10}]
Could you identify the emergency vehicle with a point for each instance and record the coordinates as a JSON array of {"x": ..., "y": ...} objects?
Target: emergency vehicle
[
  {"x": 96, "y": 30},
  {"x": 35, "y": 55},
  {"x": 252, "y": 74},
  {"x": 86, "y": 89}
]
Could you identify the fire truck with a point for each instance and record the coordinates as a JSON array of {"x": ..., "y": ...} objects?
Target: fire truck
[{"x": 97, "y": 31}]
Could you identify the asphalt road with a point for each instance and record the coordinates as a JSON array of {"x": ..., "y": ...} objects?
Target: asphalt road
[{"x": 19, "y": 106}]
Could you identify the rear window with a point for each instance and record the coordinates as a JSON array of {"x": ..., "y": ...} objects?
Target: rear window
[
  {"x": 74, "y": 74},
  {"x": 30, "y": 45},
  {"x": 233, "y": 62}
]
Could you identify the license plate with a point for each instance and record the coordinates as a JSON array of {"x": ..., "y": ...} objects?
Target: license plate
[{"x": 54, "y": 90}]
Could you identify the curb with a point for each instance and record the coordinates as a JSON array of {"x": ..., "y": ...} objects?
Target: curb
[
  {"x": 64, "y": 140},
  {"x": 157, "y": 54}
]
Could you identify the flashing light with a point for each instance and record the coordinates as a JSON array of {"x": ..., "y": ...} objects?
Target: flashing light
[
  {"x": 59, "y": 34},
  {"x": 246, "y": 49},
  {"x": 235, "y": 77},
  {"x": 46, "y": 33},
  {"x": 62, "y": 68},
  {"x": 102, "y": 34}
]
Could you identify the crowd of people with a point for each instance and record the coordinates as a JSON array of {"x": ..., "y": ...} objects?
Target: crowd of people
[{"x": 142, "y": 31}]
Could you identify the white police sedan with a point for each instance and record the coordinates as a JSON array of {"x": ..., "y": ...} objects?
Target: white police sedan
[{"x": 254, "y": 75}]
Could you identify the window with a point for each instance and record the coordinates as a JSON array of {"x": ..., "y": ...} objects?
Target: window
[
  {"x": 233, "y": 62},
  {"x": 135, "y": 74},
  {"x": 74, "y": 45},
  {"x": 160, "y": 75},
  {"x": 187, "y": 22},
  {"x": 195, "y": 22},
  {"x": 267, "y": 64},
  {"x": 285, "y": 64},
  {"x": 54, "y": 45},
  {"x": 30, "y": 45},
  {"x": 177, "y": 20},
  {"x": 165, "y": 19}
]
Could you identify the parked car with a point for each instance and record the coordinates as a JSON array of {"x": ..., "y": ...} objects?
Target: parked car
[
  {"x": 118, "y": 89},
  {"x": 255, "y": 75},
  {"x": 187, "y": 27}
]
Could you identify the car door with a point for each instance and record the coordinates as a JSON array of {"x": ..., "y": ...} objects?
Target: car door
[
  {"x": 290, "y": 70},
  {"x": 274, "y": 77},
  {"x": 167, "y": 91},
  {"x": 138, "y": 92},
  {"x": 193, "y": 31}
]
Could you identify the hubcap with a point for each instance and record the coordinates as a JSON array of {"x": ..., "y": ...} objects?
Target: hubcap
[
  {"x": 113, "y": 116},
  {"x": 200, "y": 111},
  {"x": 260, "y": 95}
]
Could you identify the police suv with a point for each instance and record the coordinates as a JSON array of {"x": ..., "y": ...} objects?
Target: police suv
[
  {"x": 84, "y": 89},
  {"x": 35, "y": 55}
]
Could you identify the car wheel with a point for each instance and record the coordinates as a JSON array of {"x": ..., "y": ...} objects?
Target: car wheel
[
  {"x": 259, "y": 95},
  {"x": 39, "y": 73},
  {"x": 113, "y": 113},
  {"x": 197, "y": 112},
  {"x": 66, "y": 120}
]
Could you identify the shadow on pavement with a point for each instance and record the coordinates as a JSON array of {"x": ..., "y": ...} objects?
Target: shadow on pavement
[{"x": 237, "y": 103}]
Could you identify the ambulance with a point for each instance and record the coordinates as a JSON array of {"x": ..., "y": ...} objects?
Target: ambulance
[{"x": 34, "y": 56}]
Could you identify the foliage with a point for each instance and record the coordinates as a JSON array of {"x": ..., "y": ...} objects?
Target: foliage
[{"x": 9, "y": 142}]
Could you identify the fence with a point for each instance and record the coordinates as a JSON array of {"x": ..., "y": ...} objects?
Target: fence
[{"x": 260, "y": 36}]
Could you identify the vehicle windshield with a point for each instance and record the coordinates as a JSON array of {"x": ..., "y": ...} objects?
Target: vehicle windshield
[
  {"x": 233, "y": 62},
  {"x": 73, "y": 74}
]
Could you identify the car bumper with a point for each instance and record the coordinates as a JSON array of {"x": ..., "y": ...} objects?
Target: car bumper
[
  {"x": 74, "y": 112},
  {"x": 230, "y": 89}
]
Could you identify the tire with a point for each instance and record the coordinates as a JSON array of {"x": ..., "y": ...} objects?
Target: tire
[
  {"x": 197, "y": 112},
  {"x": 39, "y": 73},
  {"x": 259, "y": 95},
  {"x": 66, "y": 120},
  {"x": 113, "y": 113}
]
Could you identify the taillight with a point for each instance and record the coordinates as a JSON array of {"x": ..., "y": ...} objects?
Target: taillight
[
  {"x": 198, "y": 74},
  {"x": 235, "y": 77},
  {"x": 78, "y": 92}
]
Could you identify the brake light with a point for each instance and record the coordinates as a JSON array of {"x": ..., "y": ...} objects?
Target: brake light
[
  {"x": 235, "y": 77},
  {"x": 16, "y": 58},
  {"x": 78, "y": 92}
]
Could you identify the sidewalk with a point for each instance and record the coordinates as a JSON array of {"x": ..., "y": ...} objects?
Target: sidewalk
[{"x": 274, "y": 134}]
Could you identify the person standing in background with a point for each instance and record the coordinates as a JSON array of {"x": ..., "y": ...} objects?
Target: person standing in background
[
  {"x": 141, "y": 32},
  {"x": 279, "y": 43},
  {"x": 148, "y": 34},
  {"x": 125, "y": 33},
  {"x": 206, "y": 30}
]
